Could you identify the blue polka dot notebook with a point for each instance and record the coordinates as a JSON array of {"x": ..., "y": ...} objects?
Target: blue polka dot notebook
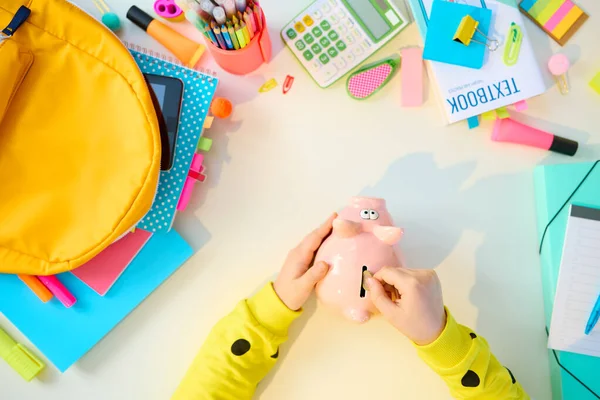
[{"x": 198, "y": 92}]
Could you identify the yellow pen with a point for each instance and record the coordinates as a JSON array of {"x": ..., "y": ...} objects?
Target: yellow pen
[
  {"x": 234, "y": 40},
  {"x": 246, "y": 33},
  {"x": 239, "y": 33}
]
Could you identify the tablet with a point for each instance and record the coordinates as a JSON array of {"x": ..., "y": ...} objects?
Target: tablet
[{"x": 167, "y": 94}]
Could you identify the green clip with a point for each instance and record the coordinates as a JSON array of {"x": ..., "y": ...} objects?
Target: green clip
[
  {"x": 19, "y": 357},
  {"x": 513, "y": 45}
]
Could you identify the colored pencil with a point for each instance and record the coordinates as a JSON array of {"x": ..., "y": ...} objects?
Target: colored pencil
[
  {"x": 212, "y": 36},
  {"x": 258, "y": 17},
  {"x": 226, "y": 37},
  {"x": 234, "y": 40},
  {"x": 252, "y": 20},
  {"x": 240, "y": 36},
  {"x": 219, "y": 37},
  {"x": 246, "y": 33},
  {"x": 249, "y": 25}
]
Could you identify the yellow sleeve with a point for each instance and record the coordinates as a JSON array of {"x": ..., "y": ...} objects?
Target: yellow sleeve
[
  {"x": 465, "y": 362},
  {"x": 239, "y": 351}
]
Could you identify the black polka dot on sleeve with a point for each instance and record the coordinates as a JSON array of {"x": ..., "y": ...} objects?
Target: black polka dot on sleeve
[
  {"x": 276, "y": 355},
  {"x": 473, "y": 336},
  {"x": 240, "y": 347},
  {"x": 471, "y": 379},
  {"x": 511, "y": 375}
]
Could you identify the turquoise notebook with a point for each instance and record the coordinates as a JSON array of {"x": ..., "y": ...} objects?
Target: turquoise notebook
[
  {"x": 64, "y": 335},
  {"x": 554, "y": 184}
]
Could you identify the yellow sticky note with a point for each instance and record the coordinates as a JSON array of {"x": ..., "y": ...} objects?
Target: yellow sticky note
[
  {"x": 208, "y": 122},
  {"x": 549, "y": 11},
  {"x": 489, "y": 116},
  {"x": 502, "y": 113},
  {"x": 595, "y": 83}
]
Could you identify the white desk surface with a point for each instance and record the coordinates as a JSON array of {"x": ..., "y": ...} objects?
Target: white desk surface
[{"x": 280, "y": 165}]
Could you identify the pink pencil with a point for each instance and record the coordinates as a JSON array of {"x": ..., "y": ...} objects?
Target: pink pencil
[
  {"x": 252, "y": 19},
  {"x": 59, "y": 290},
  {"x": 258, "y": 17}
]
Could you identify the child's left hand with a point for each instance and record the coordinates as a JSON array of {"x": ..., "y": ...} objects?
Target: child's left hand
[{"x": 297, "y": 278}]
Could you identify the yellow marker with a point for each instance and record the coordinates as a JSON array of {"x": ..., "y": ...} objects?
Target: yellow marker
[
  {"x": 268, "y": 85},
  {"x": 246, "y": 33},
  {"x": 466, "y": 30},
  {"x": 239, "y": 33}
]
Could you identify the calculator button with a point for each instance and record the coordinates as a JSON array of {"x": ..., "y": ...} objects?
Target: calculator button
[
  {"x": 308, "y": 55},
  {"x": 349, "y": 23},
  {"x": 325, "y": 25},
  {"x": 308, "y": 20},
  {"x": 317, "y": 15},
  {"x": 333, "y": 35},
  {"x": 358, "y": 51},
  {"x": 299, "y": 27},
  {"x": 291, "y": 33},
  {"x": 324, "y": 41},
  {"x": 333, "y": 2},
  {"x": 343, "y": 28},
  {"x": 332, "y": 52},
  {"x": 350, "y": 39},
  {"x": 350, "y": 57},
  {"x": 300, "y": 45},
  {"x": 340, "y": 13},
  {"x": 323, "y": 58},
  {"x": 334, "y": 20},
  {"x": 356, "y": 33},
  {"x": 317, "y": 31},
  {"x": 340, "y": 63},
  {"x": 328, "y": 71},
  {"x": 365, "y": 45},
  {"x": 316, "y": 64},
  {"x": 308, "y": 38},
  {"x": 341, "y": 46},
  {"x": 316, "y": 48},
  {"x": 326, "y": 8}
]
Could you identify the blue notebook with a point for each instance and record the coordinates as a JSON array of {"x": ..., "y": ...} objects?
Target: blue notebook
[
  {"x": 64, "y": 335},
  {"x": 198, "y": 92},
  {"x": 442, "y": 24},
  {"x": 553, "y": 186}
]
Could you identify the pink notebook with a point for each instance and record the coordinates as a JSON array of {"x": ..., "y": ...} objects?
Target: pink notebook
[{"x": 102, "y": 271}]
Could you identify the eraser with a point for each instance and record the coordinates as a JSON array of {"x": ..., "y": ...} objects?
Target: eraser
[{"x": 412, "y": 77}]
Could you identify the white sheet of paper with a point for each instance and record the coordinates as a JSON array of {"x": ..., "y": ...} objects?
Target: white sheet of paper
[{"x": 578, "y": 285}]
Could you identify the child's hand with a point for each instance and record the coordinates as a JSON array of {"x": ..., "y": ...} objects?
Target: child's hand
[
  {"x": 419, "y": 313},
  {"x": 297, "y": 278}
]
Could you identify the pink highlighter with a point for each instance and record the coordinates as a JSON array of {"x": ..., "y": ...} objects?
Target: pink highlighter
[
  {"x": 59, "y": 290},
  {"x": 508, "y": 130}
]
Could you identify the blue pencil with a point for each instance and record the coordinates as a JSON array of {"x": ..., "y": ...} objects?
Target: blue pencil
[
  {"x": 212, "y": 36},
  {"x": 227, "y": 38},
  {"x": 220, "y": 39}
]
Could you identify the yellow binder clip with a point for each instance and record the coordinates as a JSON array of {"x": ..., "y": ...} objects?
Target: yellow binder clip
[{"x": 466, "y": 30}]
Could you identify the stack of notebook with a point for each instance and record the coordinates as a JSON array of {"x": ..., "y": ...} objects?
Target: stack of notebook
[{"x": 111, "y": 285}]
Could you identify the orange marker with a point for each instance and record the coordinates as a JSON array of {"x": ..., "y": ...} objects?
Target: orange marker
[
  {"x": 186, "y": 50},
  {"x": 37, "y": 287}
]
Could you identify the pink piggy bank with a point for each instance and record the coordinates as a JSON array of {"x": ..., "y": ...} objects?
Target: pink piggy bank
[{"x": 363, "y": 238}]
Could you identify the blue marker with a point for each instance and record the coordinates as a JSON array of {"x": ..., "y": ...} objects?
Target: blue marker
[
  {"x": 594, "y": 316},
  {"x": 227, "y": 38}
]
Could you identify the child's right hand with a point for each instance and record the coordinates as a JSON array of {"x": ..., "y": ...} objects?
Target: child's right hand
[{"x": 419, "y": 313}]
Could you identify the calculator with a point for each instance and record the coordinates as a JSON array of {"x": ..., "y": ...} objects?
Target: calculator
[{"x": 331, "y": 37}]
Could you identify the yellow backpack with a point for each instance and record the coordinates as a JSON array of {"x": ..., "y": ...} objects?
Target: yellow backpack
[{"x": 80, "y": 146}]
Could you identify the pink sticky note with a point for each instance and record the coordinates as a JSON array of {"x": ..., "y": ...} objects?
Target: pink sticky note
[
  {"x": 412, "y": 76},
  {"x": 102, "y": 271},
  {"x": 521, "y": 105}
]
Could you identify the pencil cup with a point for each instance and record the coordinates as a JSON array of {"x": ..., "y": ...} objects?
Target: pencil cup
[{"x": 248, "y": 59}]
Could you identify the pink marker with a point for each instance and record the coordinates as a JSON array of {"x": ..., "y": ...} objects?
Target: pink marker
[
  {"x": 558, "y": 65},
  {"x": 412, "y": 76},
  {"x": 59, "y": 290},
  {"x": 508, "y": 130},
  {"x": 195, "y": 174}
]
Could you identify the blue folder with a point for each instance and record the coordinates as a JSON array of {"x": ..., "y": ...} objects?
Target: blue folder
[
  {"x": 64, "y": 335},
  {"x": 553, "y": 186},
  {"x": 442, "y": 25}
]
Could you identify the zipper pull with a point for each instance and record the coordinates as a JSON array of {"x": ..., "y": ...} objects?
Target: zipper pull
[{"x": 20, "y": 16}]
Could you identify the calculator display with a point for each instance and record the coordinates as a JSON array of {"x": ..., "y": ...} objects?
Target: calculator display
[{"x": 370, "y": 16}]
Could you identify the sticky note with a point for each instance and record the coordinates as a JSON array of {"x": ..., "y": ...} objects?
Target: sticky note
[
  {"x": 473, "y": 122},
  {"x": 595, "y": 83},
  {"x": 502, "y": 113},
  {"x": 412, "y": 77},
  {"x": 560, "y": 19},
  {"x": 208, "y": 121},
  {"x": 489, "y": 116},
  {"x": 521, "y": 105}
]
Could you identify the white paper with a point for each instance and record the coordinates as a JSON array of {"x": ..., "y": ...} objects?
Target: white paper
[{"x": 578, "y": 285}]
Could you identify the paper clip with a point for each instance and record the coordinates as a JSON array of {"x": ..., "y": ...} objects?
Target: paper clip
[
  {"x": 269, "y": 85},
  {"x": 513, "y": 45},
  {"x": 466, "y": 30}
]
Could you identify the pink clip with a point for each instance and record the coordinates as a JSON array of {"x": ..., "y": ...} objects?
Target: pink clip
[{"x": 194, "y": 175}]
